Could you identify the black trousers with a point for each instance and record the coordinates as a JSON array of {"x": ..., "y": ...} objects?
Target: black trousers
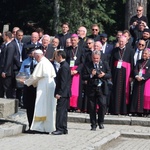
[
  {"x": 29, "y": 96},
  {"x": 94, "y": 99},
  {"x": 6, "y": 87},
  {"x": 61, "y": 114}
]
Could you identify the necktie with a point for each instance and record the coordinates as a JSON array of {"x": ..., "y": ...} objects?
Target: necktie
[
  {"x": 20, "y": 46},
  {"x": 138, "y": 56},
  {"x": 32, "y": 66}
]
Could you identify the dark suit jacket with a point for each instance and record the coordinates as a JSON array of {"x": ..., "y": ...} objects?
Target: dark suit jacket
[
  {"x": 95, "y": 38},
  {"x": 17, "y": 63},
  {"x": 24, "y": 54},
  {"x": 62, "y": 38},
  {"x": 91, "y": 82},
  {"x": 7, "y": 63},
  {"x": 49, "y": 52},
  {"x": 109, "y": 48},
  {"x": 63, "y": 80}
]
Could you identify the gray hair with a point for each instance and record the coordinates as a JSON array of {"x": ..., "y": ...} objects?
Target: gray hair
[{"x": 96, "y": 52}]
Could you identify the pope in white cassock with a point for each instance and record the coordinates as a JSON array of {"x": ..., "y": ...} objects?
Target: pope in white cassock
[{"x": 45, "y": 105}]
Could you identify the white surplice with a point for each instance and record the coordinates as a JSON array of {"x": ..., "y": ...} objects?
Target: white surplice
[{"x": 45, "y": 105}]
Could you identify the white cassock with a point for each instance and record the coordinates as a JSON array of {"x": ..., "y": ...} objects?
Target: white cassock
[{"x": 45, "y": 104}]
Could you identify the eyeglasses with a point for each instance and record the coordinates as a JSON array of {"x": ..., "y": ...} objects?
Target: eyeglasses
[
  {"x": 94, "y": 29},
  {"x": 141, "y": 44},
  {"x": 138, "y": 10}
]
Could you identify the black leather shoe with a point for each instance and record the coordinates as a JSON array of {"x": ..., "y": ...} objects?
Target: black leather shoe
[
  {"x": 93, "y": 129},
  {"x": 66, "y": 132},
  {"x": 57, "y": 132},
  {"x": 101, "y": 126},
  {"x": 28, "y": 131}
]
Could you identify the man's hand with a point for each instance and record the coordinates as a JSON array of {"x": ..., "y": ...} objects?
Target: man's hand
[
  {"x": 93, "y": 72},
  {"x": 73, "y": 72},
  {"x": 101, "y": 74},
  {"x": 3, "y": 75},
  {"x": 57, "y": 96},
  {"x": 138, "y": 78}
]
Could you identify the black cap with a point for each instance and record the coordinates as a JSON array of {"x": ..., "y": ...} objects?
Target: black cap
[
  {"x": 29, "y": 48},
  {"x": 103, "y": 35},
  {"x": 147, "y": 30}
]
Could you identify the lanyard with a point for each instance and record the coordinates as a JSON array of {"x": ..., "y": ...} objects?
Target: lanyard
[
  {"x": 74, "y": 54},
  {"x": 121, "y": 56},
  {"x": 143, "y": 64}
]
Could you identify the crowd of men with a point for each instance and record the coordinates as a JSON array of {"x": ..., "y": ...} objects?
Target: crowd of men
[{"x": 105, "y": 77}]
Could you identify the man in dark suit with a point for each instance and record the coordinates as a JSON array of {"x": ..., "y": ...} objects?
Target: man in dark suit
[
  {"x": 34, "y": 41},
  {"x": 18, "y": 46},
  {"x": 62, "y": 94},
  {"x": 46, "y": 47},
  {"x": 106, "y": 47},
  {"x": 6, "y": 66},
  {"x": 96, "y": 73},
  {"x": 95, "y": 33}
]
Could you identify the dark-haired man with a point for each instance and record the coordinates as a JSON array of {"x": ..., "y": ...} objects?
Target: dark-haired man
[
  {"x": 64, "y": 35},
  {"x": 6, "y": 66},
  {"x": 62, "y": 93}
]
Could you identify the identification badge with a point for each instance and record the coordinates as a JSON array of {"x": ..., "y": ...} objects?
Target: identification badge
[
  {"x": 140, "y": 72},
  {"x": 119, "y": 64},
  {"x": 74, "y": 57},
  {"x": 72, "y": 63}
]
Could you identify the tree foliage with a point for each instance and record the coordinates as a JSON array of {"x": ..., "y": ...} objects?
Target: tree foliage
[{"x": 108, "y": 14}]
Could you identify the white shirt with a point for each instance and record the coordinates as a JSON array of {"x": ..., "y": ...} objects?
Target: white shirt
[
  {"x": 104, "y": 47},
  {"x": 136, "y": 54}
]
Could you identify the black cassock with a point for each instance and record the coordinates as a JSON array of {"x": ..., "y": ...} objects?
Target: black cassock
[
  {"x": 137, "y": 101},
  {"x": 120, "y": 91}
]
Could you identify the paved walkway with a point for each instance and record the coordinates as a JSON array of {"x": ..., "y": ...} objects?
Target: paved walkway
[{"x": 80, "y": 137}]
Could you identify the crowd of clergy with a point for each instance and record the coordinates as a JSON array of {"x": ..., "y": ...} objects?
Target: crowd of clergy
[{"x": 128, "y": 58}]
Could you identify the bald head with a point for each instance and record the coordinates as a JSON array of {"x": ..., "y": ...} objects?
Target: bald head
[
  {"x": 98, "y": 46},
  {"x": 34, "y": 37},
  {"x": 122, "y": 41},
  {"x": 82, "y": 32}
]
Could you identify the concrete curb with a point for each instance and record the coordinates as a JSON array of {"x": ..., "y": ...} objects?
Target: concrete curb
[
  {"x": 98, "y": 145},
  {"x": 17, "y": 124}
]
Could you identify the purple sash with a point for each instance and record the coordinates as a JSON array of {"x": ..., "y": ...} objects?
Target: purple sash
[
  {"x": 74, "y": 89},
  {"x": 146, "y": 93},
  {"x": 128, "y": 71}
]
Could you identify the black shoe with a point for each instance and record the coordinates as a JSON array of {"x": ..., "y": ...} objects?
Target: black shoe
[
  {"x": 29, "y": 131},
  {"x": 101, "y": 126},
  {"x": 57, "y": 132},
  {"x": 65, "y": 132},
  {"x": 93, "y": 129}
]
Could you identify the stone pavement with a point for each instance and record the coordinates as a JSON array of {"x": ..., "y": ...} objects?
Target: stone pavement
[{"x": 79, "y": 138}]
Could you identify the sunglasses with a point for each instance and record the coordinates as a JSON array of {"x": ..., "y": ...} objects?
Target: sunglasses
[
  {"x": 88, "y": 43},
  {"x": 94, "y": 29},
  {"x": 141, "y": 44},
  {"x": 138, "y": 10}
]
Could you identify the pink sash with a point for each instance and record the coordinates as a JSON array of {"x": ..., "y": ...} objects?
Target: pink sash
[
  {"x": 146, "y": 93},
  {"x": 74, "y": 89},
  {"x": 128, "y": 71}
]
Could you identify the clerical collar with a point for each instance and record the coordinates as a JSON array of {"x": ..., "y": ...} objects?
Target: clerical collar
[
  {"x": 65, "y": 33},
  {"x": 34, "y": 43},
  {"x": 122, "y": 48},
  {"x": 75, "y": 47}
]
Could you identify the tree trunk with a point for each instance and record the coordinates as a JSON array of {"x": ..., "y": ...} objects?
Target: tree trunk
[
  {"x": 130, "y": 9},
  {"x": 56, "y": 16}
]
